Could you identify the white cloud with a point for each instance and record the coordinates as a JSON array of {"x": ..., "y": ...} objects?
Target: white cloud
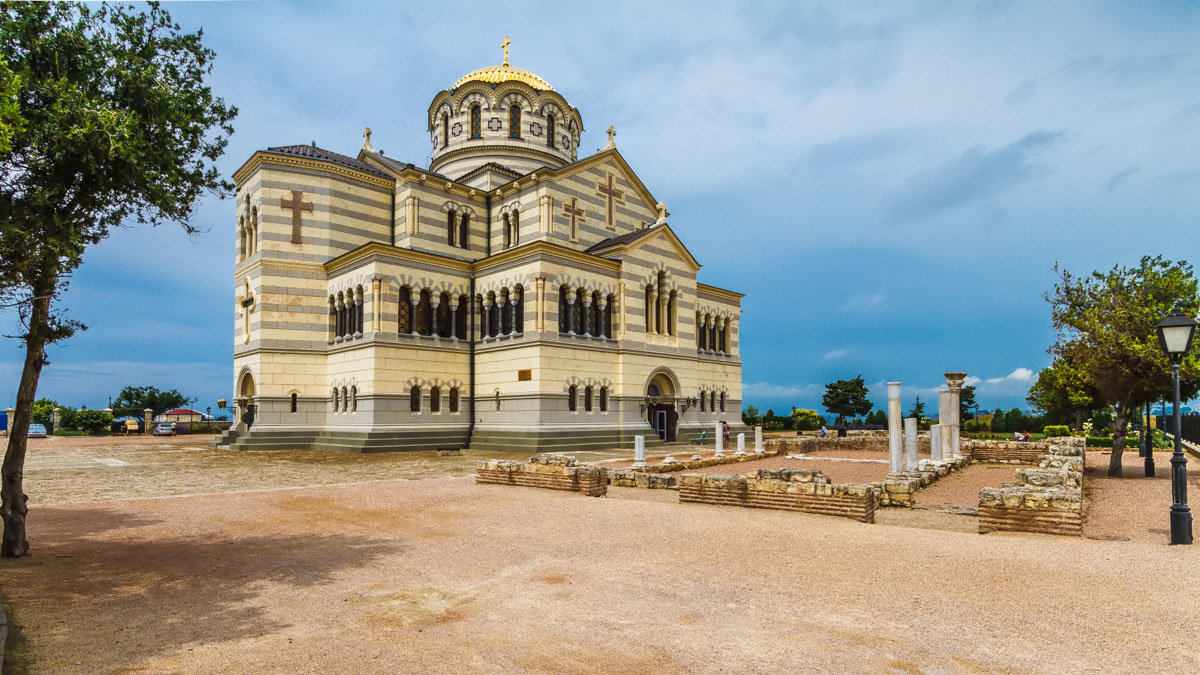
[
  {"x": 863, "y": 301},
  {"x": 835, "y": 354},
  {"x": 768, "y": 390}
]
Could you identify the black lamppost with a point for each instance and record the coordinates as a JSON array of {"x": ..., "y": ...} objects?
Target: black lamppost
[{"x": 1175, "y": 335}]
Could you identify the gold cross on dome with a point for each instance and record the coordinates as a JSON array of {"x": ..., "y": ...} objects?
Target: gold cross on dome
[{"x": 505, "y": 45}]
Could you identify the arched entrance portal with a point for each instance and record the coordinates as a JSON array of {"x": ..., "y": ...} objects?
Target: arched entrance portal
[
  {"x": 660, "y": 406},
  {"x": 246, "y": 386},
  {"x": 246, "y": 399}
]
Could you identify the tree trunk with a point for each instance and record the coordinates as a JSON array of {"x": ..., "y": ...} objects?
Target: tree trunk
[
  {"x": 12, "y": 492},
  {"x": 1120, "y": 422},
  {"x": 1078, "y": 420}
]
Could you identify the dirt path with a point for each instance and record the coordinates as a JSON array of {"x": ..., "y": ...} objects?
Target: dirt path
[{"x": 443, "y": 575}]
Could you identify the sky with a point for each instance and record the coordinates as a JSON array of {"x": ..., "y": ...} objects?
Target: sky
[{"x": 890, "y": 184}]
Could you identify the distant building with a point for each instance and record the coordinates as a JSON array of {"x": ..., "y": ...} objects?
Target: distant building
[{"x": 181, "y": 415}]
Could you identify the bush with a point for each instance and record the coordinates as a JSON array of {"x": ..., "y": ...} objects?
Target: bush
[
  {"x": 807, "y": 420},
  {"x": 92, "y": 421},
  {"x": 1056, "y": 430}
]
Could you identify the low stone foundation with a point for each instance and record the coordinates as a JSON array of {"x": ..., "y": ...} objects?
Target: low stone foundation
[
  {"x": 770, "y": 449},
  {"x": 554, "y": 472},
  {"x": 899, "y": 489},
  {"x": 785, "y": 489},
  {"x": 1048, "y": 499},
  {"x": 1012, "y": 452},
  {"x": 636, "y": 478}
]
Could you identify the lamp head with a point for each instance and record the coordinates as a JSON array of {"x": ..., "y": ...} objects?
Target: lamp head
[{"x": 1175, "y": 333}]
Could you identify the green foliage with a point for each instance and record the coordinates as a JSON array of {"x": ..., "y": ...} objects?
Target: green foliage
[
  {"x": 1056, "y": 430},
  {"x": 43, "y": 410},
  {"x": 846, "y": 398},
  {"x": 806, "y": 420},
  {"x": 93, "y": 421},
  {"x": 10, "y": 106},
  {"x": 750, "y": 412},
  {"x": 917, "y": 411},
  {"x": 998, "y": 421},
  {"x": 1014, "y": 420},
  {"x": 966, "y": 402},
  {"x": 1064, "y": 391},
  {"x": 137, "y": 399}
]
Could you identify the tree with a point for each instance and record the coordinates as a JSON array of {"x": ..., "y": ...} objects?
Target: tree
[
  {"x": 116, "y": 123},
  {"x": 845, "y": 398},
  {"x": 1014, "y": 420},
  {"x": 750, "y": 415},
  {"x": 918, "y": 410},
  {"x": 998, "y": 421},
  {"x": 140, "y": 398},
  {"x": 806, "y": 420},
  {"x": 966, "y": 402},
  {"x": 1064, "y": 392},
  {"x": 1106, "y": 323}
]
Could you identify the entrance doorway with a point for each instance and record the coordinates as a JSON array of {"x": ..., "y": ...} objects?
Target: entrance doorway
[{"x": 660, "y": 408}]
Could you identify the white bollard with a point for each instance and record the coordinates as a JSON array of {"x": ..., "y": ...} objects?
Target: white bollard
[
  {"x": 639, "y": 451},
  {"x": 895, "y": 435},
  {"x": 910, "y": 444},
  {"x": 935, "y": 442},
  {"x": 741, "y": 444},
  {"x": 719, "y": 440},
  {"x": 758, "y": 444}
]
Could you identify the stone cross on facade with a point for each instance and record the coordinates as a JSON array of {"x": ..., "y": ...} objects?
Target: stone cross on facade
[
  {"x": 296, "y": 205},
  {"x": 367, "y": 140},
  {"x": 613, "y": 195},
  {"x": 575, "y": 215},
  {"x": 662, "y": 213}
]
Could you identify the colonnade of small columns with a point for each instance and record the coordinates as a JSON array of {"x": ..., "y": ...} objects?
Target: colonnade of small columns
[
  {"x": 584, "y": 313},
  {"x": 712, "y": 333},
  {"x": 346, "y": 314},
  {"x": 662, "y": 307}
]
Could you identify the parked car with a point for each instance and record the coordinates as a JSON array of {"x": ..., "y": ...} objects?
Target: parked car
[
  {"x": 37, "y": 431},
  {"x": 164, "y": 429}
]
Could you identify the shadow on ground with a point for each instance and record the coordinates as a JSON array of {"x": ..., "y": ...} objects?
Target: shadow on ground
[{"x": 93, "y": 567}]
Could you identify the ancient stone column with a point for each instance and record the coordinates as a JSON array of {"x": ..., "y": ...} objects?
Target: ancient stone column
[
  {"x": 741, "y": 444},
  {"x": 944, "y": 421},
  {"x": 56, "y": 419},
  {"x": 935, "y": 442},
  {"x": 146, "y": 415},
  {"x": 955, "y": 382},
  {"x": 639, "y": 451},
  {"x": 895, "y": 435},
  {"x": 910, "y": 444},
  {"x": 719, "y": 440},
  {"x": 758, "y": 443}
]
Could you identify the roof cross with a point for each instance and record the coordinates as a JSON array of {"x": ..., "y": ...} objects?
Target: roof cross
[
  {"x": 296, "y": 205},
  {"x": 612, "y": 133},
  {"x": 505, "y": 45}
]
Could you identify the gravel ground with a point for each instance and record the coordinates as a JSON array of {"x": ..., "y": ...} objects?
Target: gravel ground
[
  {"x": 442, "y": 575},
  {"x": 962, "y": 487}
]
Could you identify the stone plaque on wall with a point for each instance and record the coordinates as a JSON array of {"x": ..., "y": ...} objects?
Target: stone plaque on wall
[{"x": 524, "y": 375}]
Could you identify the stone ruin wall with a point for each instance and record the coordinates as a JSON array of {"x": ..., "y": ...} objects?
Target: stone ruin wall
[
  {"x": 555, "y": 472},
  {"x": 1012, "y": 452},
  {"x": 785, "y": 489},
  {"x": 1047, "y": 499}
]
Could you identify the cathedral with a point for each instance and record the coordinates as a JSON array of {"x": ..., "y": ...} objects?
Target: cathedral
[{"x": 511, "y": 296}]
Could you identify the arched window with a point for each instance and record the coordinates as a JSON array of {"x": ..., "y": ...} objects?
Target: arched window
[
  {"x": 404, "y": 310},
  {"x": 712, "y": 401},
  {"x": 435, "y": 399},
  {"x": 571, "y": 392},
  {"x": 460, "y": 317},
  {"x": 608, "y": 315},
  {"x": 445, "y": 130},
  {"x": 658, "y": 305},
  {"x": 721, "y": 333},
  {"x": 497, "y": 400},
  {"x": 354, "y": 398},
  {"x": 293, "y": 403},
  {"x": 425, "y": 313},
  {"x": 241, "y": 238},
  {"x": 494, "y": 316},
  {"x": 700, "y": 332},
  {"x": 333, "y": 318},
  {"x": 414, "y": 398},
  {"x": 519, "y": 309},
  {"x": 443, "y": 315},
  {"x": 507, "y": 233},
  {"x": 451, "y": 227},
  {"x": 464, "y": 231},
  {"x": 722, "y": 401},
  {"x": 335, "y": 399},
  {"x": 650, "y": 309},
  {"x": 550, "y": 130},
  {"x": 514, "y": 121},
  {"x": 671, "y": 314},
  {"x": 515, "y": 237},
  {"x": 603, "y": 399},
  {"x": 476, "y": 122},
  {"x": 345, "y": 400},
  {"x": 703, "y": 400},
  {"x": 358, "y": 308},
  {"x": 564, "y": 325},
  {"x": 578, "y": 316},
  {"x": 453, "y": 399},
  {"x": 587, "y": 398}
]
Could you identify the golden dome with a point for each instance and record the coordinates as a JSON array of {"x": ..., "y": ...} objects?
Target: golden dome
[{"x": 504, "y": 73}]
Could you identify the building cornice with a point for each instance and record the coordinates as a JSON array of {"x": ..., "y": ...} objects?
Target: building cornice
[
  {"x": 719, "y": 293},
  {"x": 262, "y": 157}
]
